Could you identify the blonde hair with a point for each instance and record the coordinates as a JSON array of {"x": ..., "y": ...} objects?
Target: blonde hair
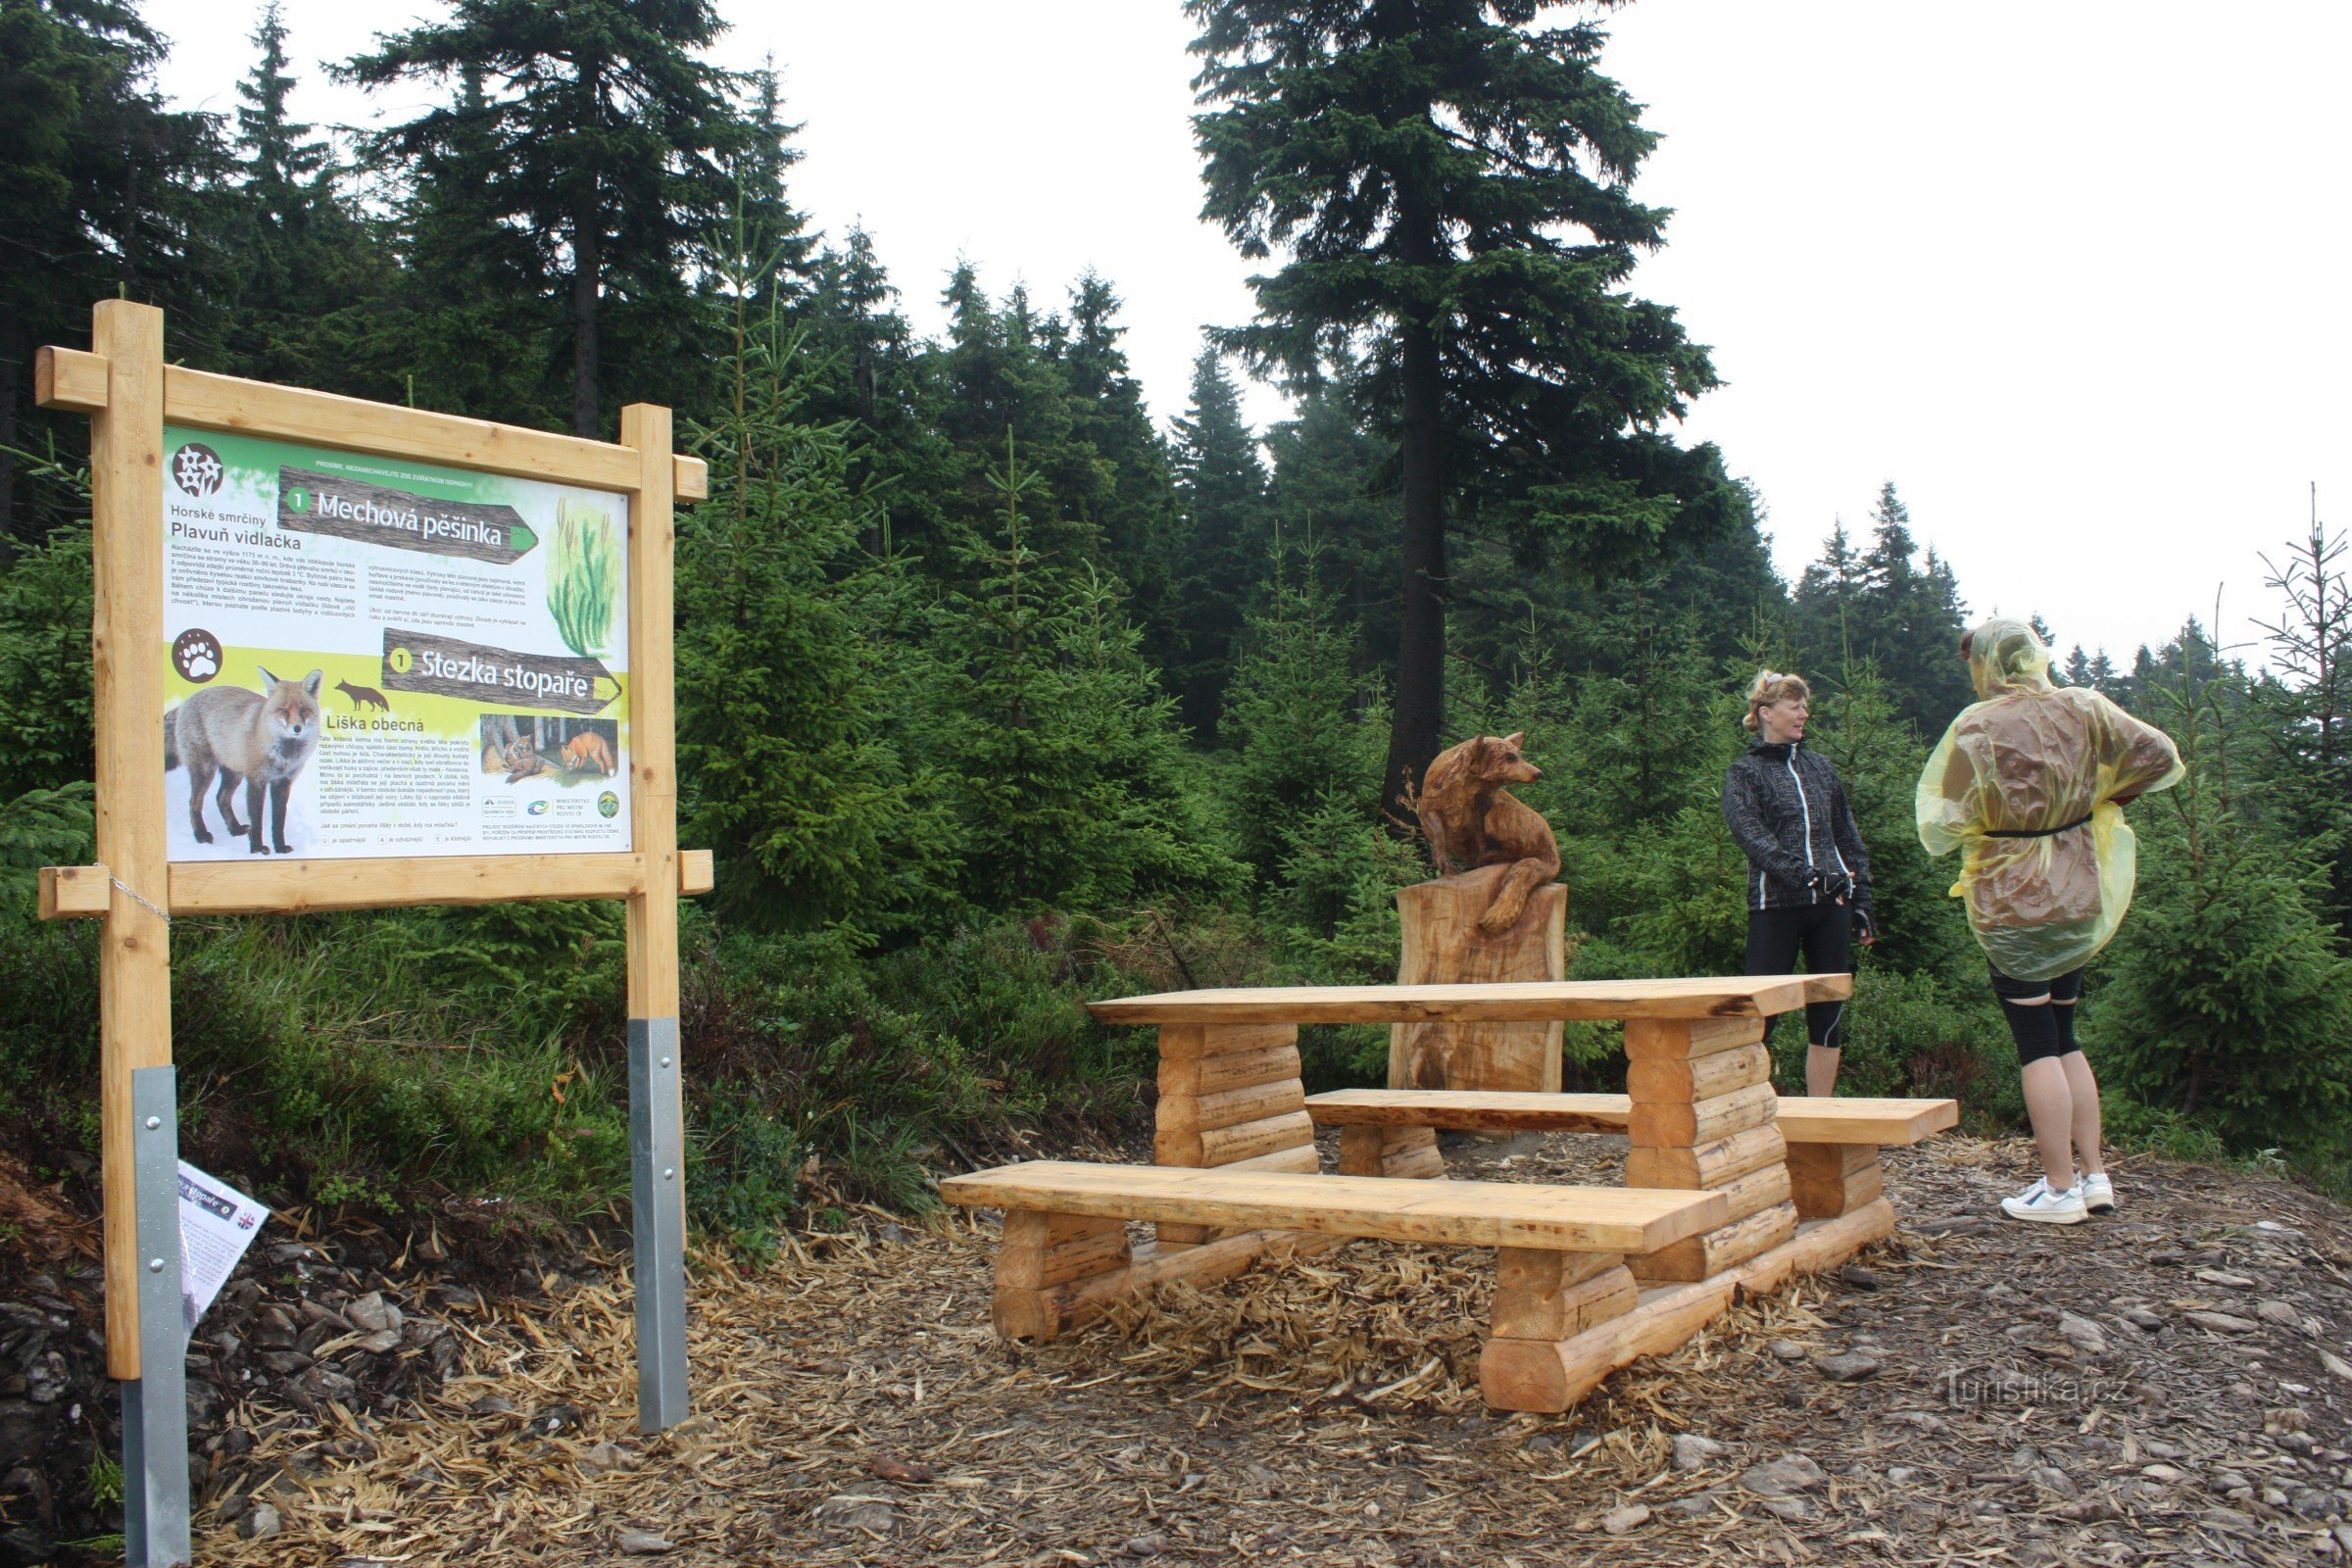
[{"x": 1773, "y": 686}]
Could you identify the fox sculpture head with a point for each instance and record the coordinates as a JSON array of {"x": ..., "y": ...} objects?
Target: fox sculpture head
[{"x": 1497, "y": 760}]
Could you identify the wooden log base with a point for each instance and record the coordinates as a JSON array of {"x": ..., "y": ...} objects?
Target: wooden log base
[
  {"x": 1683, "y": 1039},
  {"x": 1710, "y": 1164},
  {"x": 1549, "y": 1377},
  {"x": 1758, "y": 1190},
  {"x": 1407, "y": 1153},
  {"x": 1698, "y": 1077},
  {"x": 1702, "y": 1258},
  {"x": 1234, "y": 1070},
  {"x": 1189, "y": 1042},
  {"x": 1552, "y": 1295},
  {"x": 1443, "y": 945},
  {"x": 1229, "y": 1146},
  {"x": 1180, "y": 1113},
  {"x": 1055, "y": 1310},
  {"x": 1673, "y": 1124},
  {"x": 1041, "y": 1248},
  {"x": 1827, "y": 1180}
]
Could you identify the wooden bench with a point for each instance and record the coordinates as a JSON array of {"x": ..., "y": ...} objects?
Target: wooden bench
[
  {"x": 1560, "y": 1252},
  {"x": 1831, "y": 1144}
]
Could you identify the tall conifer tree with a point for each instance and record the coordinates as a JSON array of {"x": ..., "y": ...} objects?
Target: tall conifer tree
[
  {"x": 99, "y": 195},
  {"x": 305, "y": 270},
  {"x": 600, "y": 129},
  {"x": 1449, "y": 181},
  {"x": 1221, "y": 486}
]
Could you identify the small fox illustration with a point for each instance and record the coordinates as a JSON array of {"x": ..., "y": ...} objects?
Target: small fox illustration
[
  {"x": 522, "y": 758},
  {"x": 1468, "y": 816},
  {"x": 261, "y": 739},
  {"x": 362, "y": 696},
  {"x": 587, "y": 750}
]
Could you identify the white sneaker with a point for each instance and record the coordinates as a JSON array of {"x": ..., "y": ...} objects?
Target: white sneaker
[
  {"x": 2099, "y": 1195},
  {"x": 2038, "y": 1203}
]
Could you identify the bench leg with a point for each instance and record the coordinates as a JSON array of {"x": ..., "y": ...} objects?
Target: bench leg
[
  {"x": 1829, "y": 1180},
  {"x": 1541, "y": 1300},
  {"x": 1397, "y": 1152},
  {"x": 1041, "y": 1252}
]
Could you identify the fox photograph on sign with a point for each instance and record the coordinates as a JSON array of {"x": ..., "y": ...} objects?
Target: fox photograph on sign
[{"x": 370, "y": 657}]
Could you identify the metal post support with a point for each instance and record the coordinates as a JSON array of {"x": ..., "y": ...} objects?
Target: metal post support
[
  {"x": 658, "y": 1161},
  {"x": 155, "y": 1404}
]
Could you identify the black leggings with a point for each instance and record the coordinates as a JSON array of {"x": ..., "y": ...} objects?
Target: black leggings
[
  {"x": 1825, "y": 933},
  {"x": 2041, "y": 1029}
]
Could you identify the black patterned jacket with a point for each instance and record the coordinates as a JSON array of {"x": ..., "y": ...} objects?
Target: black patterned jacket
[{"x": 1787, "y": 810}]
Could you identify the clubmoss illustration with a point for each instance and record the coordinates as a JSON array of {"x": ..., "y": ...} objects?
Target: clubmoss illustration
[{"x": 583, "y": 577}]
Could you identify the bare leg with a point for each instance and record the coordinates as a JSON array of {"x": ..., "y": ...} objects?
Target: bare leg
[
  {"x": 1820, "y": 1070},
  {"x": 2082, "y": 1088},
  {"x": 2051, "y": 1106}
]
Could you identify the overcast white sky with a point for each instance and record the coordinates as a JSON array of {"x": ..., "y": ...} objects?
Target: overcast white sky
[{"x": 2069, "y": 272}]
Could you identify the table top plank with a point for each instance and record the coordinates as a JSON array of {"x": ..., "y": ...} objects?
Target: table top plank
[
  {"x": 1509, "y": 1001},
  {"x": 1555, "y": 1218}
]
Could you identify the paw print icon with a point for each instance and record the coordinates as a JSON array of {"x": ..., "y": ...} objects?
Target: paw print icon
[{"x": 196, "y": 654}]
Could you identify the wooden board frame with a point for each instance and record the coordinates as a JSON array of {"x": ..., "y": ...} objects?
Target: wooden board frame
[{"x": 124, "y": 384}]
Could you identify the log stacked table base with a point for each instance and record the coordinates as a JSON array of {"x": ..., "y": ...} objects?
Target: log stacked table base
[
  {"x": 1703, "y": 1115},
  {"x": 1230, "y": 1095}
]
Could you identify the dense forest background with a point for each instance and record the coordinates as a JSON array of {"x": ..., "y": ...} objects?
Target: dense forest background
[{"x": 995, "y": 694}]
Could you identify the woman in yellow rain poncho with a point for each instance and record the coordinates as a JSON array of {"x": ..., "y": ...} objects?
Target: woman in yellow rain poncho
[{"x": 2031, "y": 783}]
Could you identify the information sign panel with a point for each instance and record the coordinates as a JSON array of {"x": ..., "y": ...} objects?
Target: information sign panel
[{"x": 372, "y": 656}]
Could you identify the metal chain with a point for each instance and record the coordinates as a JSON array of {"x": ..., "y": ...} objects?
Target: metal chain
[{"x": 137, "y": 896}]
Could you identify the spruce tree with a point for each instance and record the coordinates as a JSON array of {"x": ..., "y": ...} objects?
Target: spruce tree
[
  {"x": 601, "y": 132},
  {"x": 797, "y": 675},
  {"x": 306, "y": 271},
  {"x": 1885, "y": 604},
  {"x": 2308, "y": 703},
  {"x": 762, "y": 159},
  {"x": 1330, "y": 482},
  {"x": 1221, "y": 489},
  {"x": 1067, "y": 774},
  {"x": 1290, "y": 714},
  {"x": 1135, "y": 512},
  {"x": 2229, "y": 1002},
  {"x": 100, "y": 194},
  {"x": 469, "y": 277},
  {"x": 1449, "y": 180}
]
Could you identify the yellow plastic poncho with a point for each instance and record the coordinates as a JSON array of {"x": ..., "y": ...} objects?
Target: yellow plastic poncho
[{"x": 2034, "y": 756}]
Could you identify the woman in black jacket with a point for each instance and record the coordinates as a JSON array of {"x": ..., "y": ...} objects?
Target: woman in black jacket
[{"x": 1808, "y": 884}]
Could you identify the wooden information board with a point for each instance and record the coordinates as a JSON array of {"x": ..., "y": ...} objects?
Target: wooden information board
[{"x": 493, "y": 605}]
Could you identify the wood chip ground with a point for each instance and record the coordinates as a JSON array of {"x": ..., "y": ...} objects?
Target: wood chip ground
[{"x": 853, "y": 1407}]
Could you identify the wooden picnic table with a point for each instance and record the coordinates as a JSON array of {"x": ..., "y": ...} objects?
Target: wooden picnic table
[{"x": 1236, "y": 1174}]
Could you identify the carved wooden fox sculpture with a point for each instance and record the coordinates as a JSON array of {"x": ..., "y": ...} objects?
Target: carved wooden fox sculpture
[{"x": 1470, "y": 817}]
